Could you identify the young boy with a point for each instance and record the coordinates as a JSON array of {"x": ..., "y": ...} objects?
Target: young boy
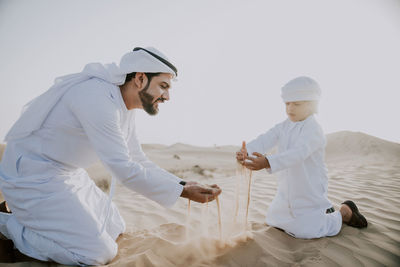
[{"x": 300, "y": 207}]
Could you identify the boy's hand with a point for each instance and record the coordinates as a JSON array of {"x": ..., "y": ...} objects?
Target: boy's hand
[
  {"x": 242, "y": 154},
  {"x": 257, "y": 163}
]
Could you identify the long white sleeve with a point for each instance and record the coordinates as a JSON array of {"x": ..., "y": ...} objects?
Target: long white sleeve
[
  {"x": 264, "y": 142},
  {"x": 137, "y": 155},
  {"x": 99, "y": 115},
  {"x": 311, "y": 138}
]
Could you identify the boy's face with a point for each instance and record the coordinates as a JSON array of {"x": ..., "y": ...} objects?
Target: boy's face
[{"x": 299, "y": 110}]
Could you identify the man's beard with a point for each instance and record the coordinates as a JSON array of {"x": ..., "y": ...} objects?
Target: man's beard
[{"x": 148, "y": 101}]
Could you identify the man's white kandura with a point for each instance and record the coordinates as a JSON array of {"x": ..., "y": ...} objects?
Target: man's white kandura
[{"x": 58, "y": 213}]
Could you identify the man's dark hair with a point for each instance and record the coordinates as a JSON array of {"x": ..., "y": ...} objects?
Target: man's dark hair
[{"x": 149, "y": 76}]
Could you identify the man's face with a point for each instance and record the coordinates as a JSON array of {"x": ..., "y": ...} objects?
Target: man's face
[
  {"x": 155, "y": 92},
  {"x": 299, "y": 110}
]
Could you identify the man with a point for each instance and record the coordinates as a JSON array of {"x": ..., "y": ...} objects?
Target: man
[{"x": 57, "y": 212}]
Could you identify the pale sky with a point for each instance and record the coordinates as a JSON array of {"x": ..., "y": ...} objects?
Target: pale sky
[{"x": 232, "y": 56}]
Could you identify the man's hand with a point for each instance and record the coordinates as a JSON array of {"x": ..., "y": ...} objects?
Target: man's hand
[
  {"x": 257, "y": 163},
  {"x": 242, "y": 154},
  {"x": 200, "y": 193}
]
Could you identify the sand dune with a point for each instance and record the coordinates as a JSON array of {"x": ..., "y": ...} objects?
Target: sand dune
[
  {"x": 361, "y": 167},
  {"x": 355, "y": 146}
]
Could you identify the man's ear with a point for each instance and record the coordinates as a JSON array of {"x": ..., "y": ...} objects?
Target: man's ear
[{"x": 140, "y": 80}]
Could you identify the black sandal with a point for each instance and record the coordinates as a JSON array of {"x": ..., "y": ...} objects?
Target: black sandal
[
  {"x": 4, "y": 208},
  {"x": 357, "y": 219},
  {"x": 7, "y": 251}
]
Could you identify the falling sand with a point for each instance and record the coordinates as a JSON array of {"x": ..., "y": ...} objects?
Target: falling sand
[
  {"x": 188, "y": 220},
  {"x": 219, "y": 219},
  {"x": 248, "y": 198},
  {"x": 242, "y": 174},
  {"x": 229, "y": 232}
]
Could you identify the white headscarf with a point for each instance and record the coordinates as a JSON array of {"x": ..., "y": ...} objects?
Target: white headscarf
[
  {"x": 36, "y": 111},
  {"x": 301, "y": 89}
]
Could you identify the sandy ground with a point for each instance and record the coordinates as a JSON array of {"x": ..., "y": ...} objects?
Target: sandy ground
[{"x": 361, "y": 167}]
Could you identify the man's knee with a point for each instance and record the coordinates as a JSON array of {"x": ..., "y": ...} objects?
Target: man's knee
[{"x": 100, "y": 253}]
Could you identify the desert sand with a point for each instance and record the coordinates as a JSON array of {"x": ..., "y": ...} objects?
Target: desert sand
[{"x": 361, "y": 167}]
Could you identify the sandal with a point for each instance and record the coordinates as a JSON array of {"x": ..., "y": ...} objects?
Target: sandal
[
  {"x": 7, "y": 251},
  {"x": 4, "y": 207},
  {"x": 357, "y": 219}
]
